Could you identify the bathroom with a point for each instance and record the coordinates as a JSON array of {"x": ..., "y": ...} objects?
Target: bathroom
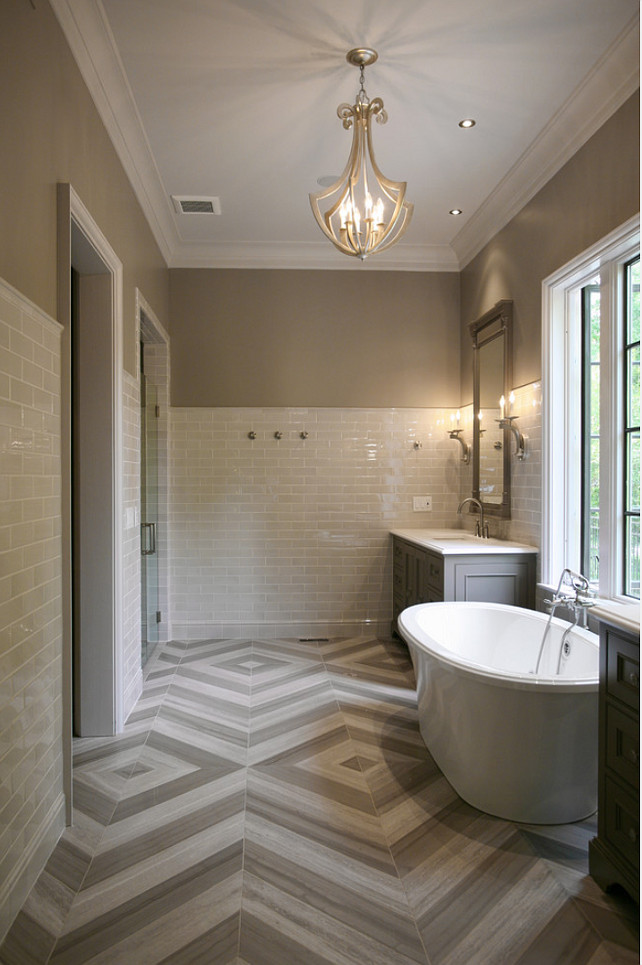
[{"x": 288, "y": 535}]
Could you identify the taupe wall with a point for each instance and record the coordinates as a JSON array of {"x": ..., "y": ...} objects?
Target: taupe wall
[
  {"x": 597, "y": 190},
  {"x": 50, "y": 131},
  {"x": 314, "y": 338}
]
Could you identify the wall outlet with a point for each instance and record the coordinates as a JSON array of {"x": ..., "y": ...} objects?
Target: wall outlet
[{"x": 422, "y": 504}]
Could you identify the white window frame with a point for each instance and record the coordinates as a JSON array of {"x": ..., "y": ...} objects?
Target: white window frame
[{"x": 561, "y": 410}]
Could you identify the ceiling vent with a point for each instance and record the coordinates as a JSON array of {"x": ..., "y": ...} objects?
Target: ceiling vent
[{"x": 184, "y": 204}]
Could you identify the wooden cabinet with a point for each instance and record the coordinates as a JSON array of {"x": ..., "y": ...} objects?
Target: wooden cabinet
[
  {"x": 614, "y": 855},
  {"x": 421, "y": 575}
]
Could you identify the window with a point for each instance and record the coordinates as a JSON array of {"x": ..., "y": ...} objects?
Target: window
[{"x": 591, "y": 417}]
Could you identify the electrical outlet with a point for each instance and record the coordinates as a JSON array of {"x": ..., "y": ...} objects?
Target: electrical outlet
[{"x": 422, "y": 504}]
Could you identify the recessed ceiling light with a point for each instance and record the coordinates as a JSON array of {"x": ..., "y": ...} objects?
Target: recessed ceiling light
[
  {"x": 467, "y": 122},
  {"x": 327, "y": 180},
  {"x": 455, "y": 211}
]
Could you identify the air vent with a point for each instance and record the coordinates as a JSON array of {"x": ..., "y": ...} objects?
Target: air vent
[{"x": 192, "y": 205}]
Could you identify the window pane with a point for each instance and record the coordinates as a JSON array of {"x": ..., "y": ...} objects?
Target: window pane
[
  {"x": 632, "y": 575},
  {"x": 633, "y": 386},
  {"x": 590, "y": 534},
  {"x": 633, "y": 285},
  {"x": 633, "y": 475},
  {"x": 632, "y": 432}
]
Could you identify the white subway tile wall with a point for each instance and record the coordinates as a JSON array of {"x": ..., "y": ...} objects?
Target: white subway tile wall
[
  {"x": 293, "y": 533},
  {"x": 132, "y": 672},
  {"x": 31, "y": 795}
]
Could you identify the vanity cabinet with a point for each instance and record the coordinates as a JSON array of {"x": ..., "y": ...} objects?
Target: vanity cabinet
[
  {"x": 614, "y": 855},
  {"x": 423, "y": 575}
]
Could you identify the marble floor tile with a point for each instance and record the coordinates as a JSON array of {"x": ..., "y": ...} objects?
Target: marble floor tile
[{"x": 271, "y": 802}]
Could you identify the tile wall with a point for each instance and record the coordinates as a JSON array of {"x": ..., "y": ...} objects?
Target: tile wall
[
  {"x": 31, "y": 790},
  {"x": 292, "y": 533},
  {"x": 524, "y": 526}
]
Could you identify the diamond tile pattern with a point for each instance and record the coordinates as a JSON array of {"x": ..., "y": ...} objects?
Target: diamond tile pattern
[{"x": 272, "y": 803}]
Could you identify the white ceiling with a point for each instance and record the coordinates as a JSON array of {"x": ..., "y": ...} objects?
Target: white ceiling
[{"x": 237, "y": 99}]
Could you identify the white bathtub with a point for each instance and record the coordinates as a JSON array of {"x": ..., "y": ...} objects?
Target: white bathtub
[{"x": 511, "y": 744}]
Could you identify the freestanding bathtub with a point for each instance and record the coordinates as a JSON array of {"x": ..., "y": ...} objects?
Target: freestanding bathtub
[{"x": 516, "y": 745}]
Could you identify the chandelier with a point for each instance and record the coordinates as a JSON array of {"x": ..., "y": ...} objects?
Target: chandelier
[{"x": 366, "y": 212}]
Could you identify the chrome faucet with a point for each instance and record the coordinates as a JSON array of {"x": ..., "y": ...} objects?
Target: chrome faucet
[
  {"x": 578, "y": 598},
  {"x": 481, "y": 528}
]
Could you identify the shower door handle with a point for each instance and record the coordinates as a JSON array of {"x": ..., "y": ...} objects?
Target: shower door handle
[{"x": 148, "y": 539}]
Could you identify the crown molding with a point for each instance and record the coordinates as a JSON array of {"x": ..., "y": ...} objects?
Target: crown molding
[
  {"x": 92, "y": 44},
  {"x": 312, "y": 255},
  {"x": 614, "y": 78}
]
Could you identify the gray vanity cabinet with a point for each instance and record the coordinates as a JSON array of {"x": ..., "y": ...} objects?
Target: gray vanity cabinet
[
  {"x": 614, "y": 855},
  {"x": 421, "y": 575}
]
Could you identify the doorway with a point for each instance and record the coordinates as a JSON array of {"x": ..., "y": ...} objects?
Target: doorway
[{"x": 91, "y": 421}]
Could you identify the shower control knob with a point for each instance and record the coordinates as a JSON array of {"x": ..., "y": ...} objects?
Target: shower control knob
[{"x": 251, "y": 435}]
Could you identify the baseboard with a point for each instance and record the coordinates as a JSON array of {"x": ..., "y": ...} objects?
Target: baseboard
[
  {"x": 273, "y": 631},
  {"x": 18, "y": 884}
]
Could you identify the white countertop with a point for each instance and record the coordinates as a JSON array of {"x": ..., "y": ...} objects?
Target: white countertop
[
  {"x": 450, "y": 542},
  {"x": 623, "y": 615}
]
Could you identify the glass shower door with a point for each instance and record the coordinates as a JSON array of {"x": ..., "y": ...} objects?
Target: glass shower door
[{"x": 150, "y": 615}]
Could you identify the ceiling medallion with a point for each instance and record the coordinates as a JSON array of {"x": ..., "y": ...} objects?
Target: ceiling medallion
[{"x": 366, "y": 212}]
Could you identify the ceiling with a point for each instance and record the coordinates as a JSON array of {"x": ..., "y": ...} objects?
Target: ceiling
[{"x": 237, "y": 99}]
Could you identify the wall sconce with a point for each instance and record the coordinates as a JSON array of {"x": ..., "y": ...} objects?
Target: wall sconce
[
  {"x": 520, "y": 441},
  {"x": 506, "y": 422},
  {"x": 455, "y": 434}
]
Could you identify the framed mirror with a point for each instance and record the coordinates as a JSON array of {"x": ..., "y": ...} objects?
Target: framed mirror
[{"x": 492, "y": 379}]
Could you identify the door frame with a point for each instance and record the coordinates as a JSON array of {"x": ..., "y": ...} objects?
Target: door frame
[{"x": 72, "y": 213}]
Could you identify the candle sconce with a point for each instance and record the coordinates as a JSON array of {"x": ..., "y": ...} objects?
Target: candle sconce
[
  {"x": 506, "y": 422},
  {"x": 455, "y": 434}
]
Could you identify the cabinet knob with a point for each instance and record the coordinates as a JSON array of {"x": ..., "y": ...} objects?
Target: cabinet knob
[
  {"x": 633, "y": 834},
  {"x": 634, "y": 679},
  {"x": 634, "y": 755}
]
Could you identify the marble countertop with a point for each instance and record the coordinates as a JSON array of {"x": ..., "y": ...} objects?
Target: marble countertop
[
  {"x": 450, "y": 542},
  {"x": 623, "y": 615}
]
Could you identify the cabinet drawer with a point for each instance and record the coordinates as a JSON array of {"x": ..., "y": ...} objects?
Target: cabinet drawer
[
  {"x": 434, "y": 572},
  {"x": 623, "y": 670},
  {"x": 623, "y": 745},
  {"x": 622, "y": 822}
]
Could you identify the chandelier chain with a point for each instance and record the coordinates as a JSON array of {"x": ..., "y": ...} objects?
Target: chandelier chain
[{"x": 362, "y": 97}]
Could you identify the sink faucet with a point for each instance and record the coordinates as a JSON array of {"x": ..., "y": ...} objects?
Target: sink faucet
[{"x": 481, "y": 528}]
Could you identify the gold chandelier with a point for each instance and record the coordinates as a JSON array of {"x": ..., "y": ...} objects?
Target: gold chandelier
[{"x": 366, "y": 212}]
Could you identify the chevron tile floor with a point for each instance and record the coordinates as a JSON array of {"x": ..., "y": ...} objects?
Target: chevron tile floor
[{"x": 272, "y": 803}]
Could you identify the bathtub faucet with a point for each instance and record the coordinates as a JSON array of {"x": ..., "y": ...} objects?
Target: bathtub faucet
[
  {"x": 481, "y": 528},
  {"x": 575, "y": 594}
]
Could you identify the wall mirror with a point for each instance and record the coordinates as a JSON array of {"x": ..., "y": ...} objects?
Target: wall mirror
[{"x": 492, "y": 379}]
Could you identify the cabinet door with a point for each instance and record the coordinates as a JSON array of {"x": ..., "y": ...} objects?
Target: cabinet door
[{"x": 492, "y": 581}]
